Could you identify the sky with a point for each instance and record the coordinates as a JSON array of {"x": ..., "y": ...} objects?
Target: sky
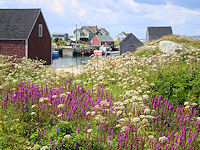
[{"x": 131, "y": 16}]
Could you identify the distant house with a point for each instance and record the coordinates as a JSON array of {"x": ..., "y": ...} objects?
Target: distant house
[
  {"x": 86, "y": 33},
  {"x": 24, "y": 33},
  {"x": 121, "y": 36},
  {"x": 130, "y": 43},
  {"x": 102, "y": 31},
  {"x": 154, "y": 33},
  {"x": 99, "y": 40},
  {"x": 62, "y": 36}
]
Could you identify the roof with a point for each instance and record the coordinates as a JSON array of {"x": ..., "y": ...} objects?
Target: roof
[
  {"x": 132, "y": 37},
  {"x": 59, "y": 34},
  {"x": 91, "y": 29},
  {"x": 105, "y": 38},
  {"x": 158, "y": 32},
  {"x": 17, "y": 23},
  {"x": 104, "y": 30},
  {"x": 78, "y": 30}
]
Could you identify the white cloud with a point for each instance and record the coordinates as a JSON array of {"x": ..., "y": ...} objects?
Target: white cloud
[
  {"x": 172, "y": 14},
  {"x": 58, "y": 6},
  {"x": 1, "y": 2},
  {"x": 74, "y": 3},
  {"x": 82, "y": 12}
]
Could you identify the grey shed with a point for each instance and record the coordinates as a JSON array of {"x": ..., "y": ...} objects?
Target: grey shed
[
  {"x": 130, "y": 43},
  {"x": 154, "y": 33}
]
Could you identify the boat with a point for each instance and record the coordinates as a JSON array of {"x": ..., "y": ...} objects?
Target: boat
[
  {"x": 55, "y": 54},
  {"x": 113, "y": 53},
  {"x": 99, "y": 52}
]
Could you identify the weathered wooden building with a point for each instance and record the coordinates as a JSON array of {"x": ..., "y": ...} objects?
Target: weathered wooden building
[
  {"x": 129, "y": 44},
  {"x": 154, "y": 33},
  {"x": 62, "y": 36},
  {"x": 24, "y": 33},
  {"x": 99, "y": 40}
]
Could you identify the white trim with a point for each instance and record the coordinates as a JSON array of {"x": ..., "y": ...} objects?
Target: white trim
[
  {"x": 13, "y": 39},
  {"x": 34, "y": 24},
  {"x": 26, "y": 49},
  {"x": 40, "y": 30},
  {"x": 45, "y": 23}
]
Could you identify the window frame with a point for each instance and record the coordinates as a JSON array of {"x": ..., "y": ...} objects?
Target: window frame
[{"x": 40, "y": 30}]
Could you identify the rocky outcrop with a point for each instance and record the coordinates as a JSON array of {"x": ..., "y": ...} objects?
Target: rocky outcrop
[{"x": 169, "y": 47}]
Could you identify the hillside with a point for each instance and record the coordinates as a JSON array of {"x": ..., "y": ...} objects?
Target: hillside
[{"x": 142, "y": 100}]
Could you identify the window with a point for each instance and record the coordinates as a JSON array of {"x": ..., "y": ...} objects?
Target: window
[{"x": 40, "y": 30}]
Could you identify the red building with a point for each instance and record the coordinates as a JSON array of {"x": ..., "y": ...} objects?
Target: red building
[
  {"x": 24, "y": 33},
  {"x": 99, "y": 40}
]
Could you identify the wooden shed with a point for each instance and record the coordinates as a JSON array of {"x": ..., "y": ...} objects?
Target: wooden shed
[
  {"x": 129, "y": 44},
  {"x": 154, "y": 33},
  {"x": 24, "y": 33}
]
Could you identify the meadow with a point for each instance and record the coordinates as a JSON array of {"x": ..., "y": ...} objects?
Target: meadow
[{"x": 142, "y": 100}]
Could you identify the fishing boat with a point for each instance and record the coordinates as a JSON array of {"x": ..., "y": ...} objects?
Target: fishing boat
[
  {"x": 99, "y": 52},
  {"x": 55, "y": 54}
]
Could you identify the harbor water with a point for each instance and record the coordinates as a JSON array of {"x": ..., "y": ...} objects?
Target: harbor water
[{"x": 68, "y": 59}]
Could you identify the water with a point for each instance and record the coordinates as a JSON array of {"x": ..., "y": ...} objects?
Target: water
[{"x": 68, "y": 59}]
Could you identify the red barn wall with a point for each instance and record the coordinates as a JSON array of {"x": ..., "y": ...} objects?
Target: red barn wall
[
  {"x": 12, "y": 47},
  {"x": 95, "y": 41},
  {"x": 40, "y": 47}
]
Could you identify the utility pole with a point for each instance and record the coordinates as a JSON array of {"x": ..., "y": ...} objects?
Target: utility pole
[{"x": 76, "y": 34}]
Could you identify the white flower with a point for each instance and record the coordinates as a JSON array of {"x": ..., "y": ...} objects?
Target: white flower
[
  {"x": 33, "y": 106},
  {"x": 147, "y": 111},
  {"x": 198, "y": 118},
  {"x": 67, "y": 136},
  {"x": 63, "y": 95},
  {"x": 33, "y": 113},
  {"x": 136, "y": 119},
  {"x": 60, "y": 106},
  {"x": 186, "y": 103},
  {"x": 194, "y": 104},
  {"x": 151, "y": 137},
  {"x": 186, "y": 107},
  {"x": 163, "y": 139},
  {"x": 41, "y": 100},
  {"x": 119, "y": 112},
  {"x": 144, "y": 121},
  {"x": 54, "y": 96},
  {"x": 88, "y": 113},
  {"x": 89, "y": 130}
]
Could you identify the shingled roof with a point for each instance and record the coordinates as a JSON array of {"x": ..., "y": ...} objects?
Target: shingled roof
[
  {"x": 105, "y": 38},
  {"x": 17, "y": 23},
  {"x": 154, "y": 33}
]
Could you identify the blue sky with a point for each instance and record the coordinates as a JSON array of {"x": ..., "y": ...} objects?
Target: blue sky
[{"x": 116, "y": 15}]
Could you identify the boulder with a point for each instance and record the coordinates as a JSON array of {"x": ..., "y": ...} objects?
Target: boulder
[{"x": 169, "y": 47}]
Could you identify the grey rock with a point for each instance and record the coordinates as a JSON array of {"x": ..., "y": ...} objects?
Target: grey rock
[{"x": 169, "y": 47}]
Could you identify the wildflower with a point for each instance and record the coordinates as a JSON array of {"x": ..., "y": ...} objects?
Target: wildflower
[
  {"x": 67, "y": 136},
  {"x": 33, "y": 113},
  {"x": 144, "y": 121},
  {"x": 60, "y": 106},
  {"x": 163, "y": 139},
  {"x": 89, "y": 130},
  {"x": 151, "y": 137},
  {"x": 33, "y": 106},
  {"x": 186, "y": 103},
  {"x": 54, "y": 96},
  {"x": 136, "y": 119},
  {"x": 93, "y": 113},
  {"x": 41, "y": 100},
  {"x": 147, "y": 111},
  {"x": 119, "y": 112},
  {"x": 63, "y": 95},
  {"x": 88, "y": 113},
  {"x": 194, "y": 104},
  {"x": 118, "y": 125}
]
